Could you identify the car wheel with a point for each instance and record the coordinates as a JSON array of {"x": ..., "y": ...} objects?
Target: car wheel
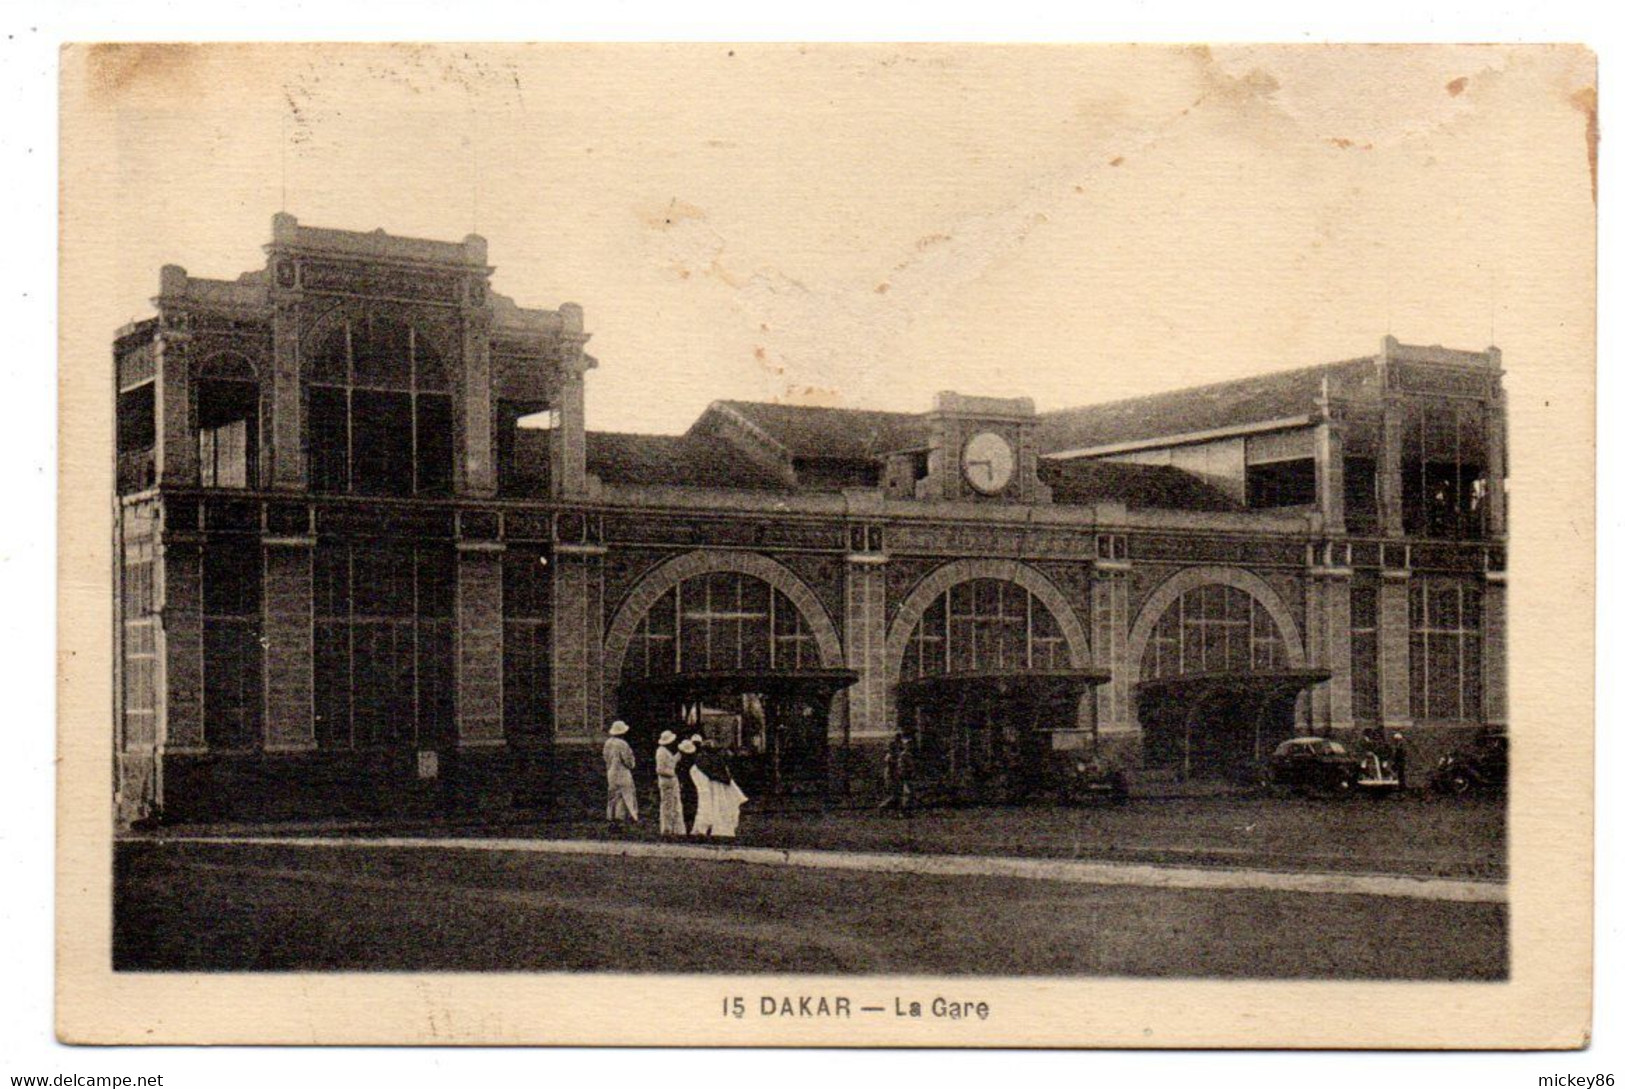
[{"x": 1458, "y": 784}]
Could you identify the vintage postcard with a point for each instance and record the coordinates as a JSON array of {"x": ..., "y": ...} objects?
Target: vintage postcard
[{"x": 865, "y": 545}]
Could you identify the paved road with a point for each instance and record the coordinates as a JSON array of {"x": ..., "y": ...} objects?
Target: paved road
[{"x": 219, "y": 906}]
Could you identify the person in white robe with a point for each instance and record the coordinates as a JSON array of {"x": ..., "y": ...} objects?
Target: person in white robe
[
  {"x": 671, "y": 797},
  {"x": 726, "y": 798},
  {"x": 618, "y": 765},
  {"x": 705, "y": 797},
  {"x": 720, "y": 796}
]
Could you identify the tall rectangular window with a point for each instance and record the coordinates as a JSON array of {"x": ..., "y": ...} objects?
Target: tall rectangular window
[
  {"x": 385, "y": 673},
  {"x": 380, "y": 442},
  {"x": 137, "y": 436},
  {"x": 1360, "y": 513},
  {"x": 380, "y": 412},
  {"x": 527, "y": 704},
  {"x": 1446, "y": 649},
  {"x": 228, "y": 433},
  {"x": 232, "y": 653},
  {"x": 140, "y": 648},
  {"x": 329, "y": 439},
  {"x": 1444, "y": 482}
]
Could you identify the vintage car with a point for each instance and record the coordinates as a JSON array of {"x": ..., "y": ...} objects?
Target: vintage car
[
  {"x": 1479, "y": 768},
  {"x": 1321, "y": 765},
  {"x": 1090, "y": 780}
]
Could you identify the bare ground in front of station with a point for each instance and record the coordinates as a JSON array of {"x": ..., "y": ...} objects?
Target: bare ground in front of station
[
  {"x": 1416, "y": 834},
  {"x": 234, "y": 907},
  {"x": 279, "y": 907}
]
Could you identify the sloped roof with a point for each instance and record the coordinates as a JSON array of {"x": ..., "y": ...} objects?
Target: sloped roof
[
  {"x": 844, "y": 434},
  {"x": 1237, "y": 403},
  {"x": 675, "y": 460},
  {"x": 1077, "y": 481}
]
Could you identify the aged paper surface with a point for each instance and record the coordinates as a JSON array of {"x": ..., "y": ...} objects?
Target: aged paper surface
[{"x": 864, "y": 226}]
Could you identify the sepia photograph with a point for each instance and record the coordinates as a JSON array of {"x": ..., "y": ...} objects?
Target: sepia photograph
[{"x": 847, "y": 534}]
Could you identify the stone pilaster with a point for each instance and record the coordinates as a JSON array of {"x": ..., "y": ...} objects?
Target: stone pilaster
[
  {"x": 1495, "y": 454},
  {"x": 1390, "y": 471},
  {"x": 1314, "y": 637},
  {"x": 578, "y": 643},
  {"x": 569, "y": 450},
  {"x": 1494, "y": 621},
  {"x": 1394, "y": 647},
  {"x": 1329, "y": 613},
  {"x": 180, "y": 648},
  {"x": 1109, "y": 614},
  {"x": 290, "y": 721},
  {"x": 479, "y": 644},
  {"x": 287, "y": 460},
  {"x": 1329, "y": 474},
  {"x": 476, "y": 431},
  {"x": 176, "y": 453},
  {"x": 869, "y": 714}
]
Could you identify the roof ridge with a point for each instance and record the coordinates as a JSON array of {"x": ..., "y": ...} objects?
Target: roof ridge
[
  {"x": 732, "y": 402},
  {"x": 1186, "y": 391}
]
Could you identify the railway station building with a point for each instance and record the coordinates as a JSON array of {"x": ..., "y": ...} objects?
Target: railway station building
[{"x": 371, "y": 560}]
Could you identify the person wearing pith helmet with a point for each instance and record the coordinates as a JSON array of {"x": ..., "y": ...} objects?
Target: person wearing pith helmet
[
  {"x": 618, "y": 765},
  {"x": 671, "y": 796}
]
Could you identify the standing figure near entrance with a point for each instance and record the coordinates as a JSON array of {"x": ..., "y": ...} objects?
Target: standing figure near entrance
[
  {"x": 671, "y": 796},
  {"x": 688, "y": 798},
  {"x": 705, "y": 812},
  {"x": 899, "y": 772},
  {"x": 726, "y": 796},
  {"x": 618, "y": 765}
]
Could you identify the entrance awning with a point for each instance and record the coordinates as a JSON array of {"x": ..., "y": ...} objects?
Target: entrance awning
[
  {"x": 687, "y": 686},
  {"x": 1264, "y": 684},
  {"x": 1037, "y": 687}
]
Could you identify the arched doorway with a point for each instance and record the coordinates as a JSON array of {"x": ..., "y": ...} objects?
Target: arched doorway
[
  {"x": 1219, "y": 680},
  {"x": 728, "y": 654},
  {"x": 988, "y": 676}
]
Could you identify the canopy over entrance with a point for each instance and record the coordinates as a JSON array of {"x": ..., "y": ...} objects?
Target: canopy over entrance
[
  {"x": 1220, "y": 725},
  {"x": 716, "y": 682},
  {"x": 776, "y": 722},
  {"x": 987, "y": 736},
  {"x": 1038, "y": 687}
]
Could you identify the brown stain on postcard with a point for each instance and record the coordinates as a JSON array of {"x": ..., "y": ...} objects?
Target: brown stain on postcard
[
  {"x": 1585, "y": 100},
  {"x": 113, "y": 70}
]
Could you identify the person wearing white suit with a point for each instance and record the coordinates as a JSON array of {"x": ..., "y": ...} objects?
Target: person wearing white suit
[
  {"x": 671, "y": 795},
  {"x": 618, "y": 765}
]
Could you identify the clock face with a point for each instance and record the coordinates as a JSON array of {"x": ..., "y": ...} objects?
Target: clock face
[{"x": 988, "y": 462}]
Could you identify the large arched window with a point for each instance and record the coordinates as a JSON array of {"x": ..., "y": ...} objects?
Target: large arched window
[
  {"x": 1214, "y": 629},
  {"x": 380, "y": 411},
  {"x": 719, "y": 622},
  {"x": 985, "y": 626},
  {"x": 730, "y": 655}
]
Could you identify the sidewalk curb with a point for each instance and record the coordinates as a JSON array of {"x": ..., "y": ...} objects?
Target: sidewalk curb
[{"x": 1031, "y": 869}]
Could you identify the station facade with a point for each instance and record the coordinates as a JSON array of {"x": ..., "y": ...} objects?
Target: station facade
[{"x": 372, "y": 561}]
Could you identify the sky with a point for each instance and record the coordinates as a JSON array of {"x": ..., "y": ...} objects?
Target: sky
[{"x": 865, "y": 226}]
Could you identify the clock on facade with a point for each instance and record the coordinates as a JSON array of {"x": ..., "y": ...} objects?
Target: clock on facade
[{"x": 988, "y": 462}]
